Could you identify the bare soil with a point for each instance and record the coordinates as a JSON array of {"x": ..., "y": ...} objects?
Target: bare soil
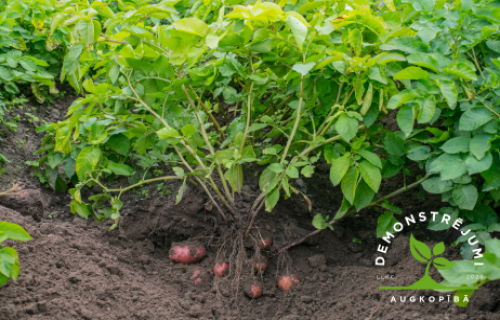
[{"x": 76, "y": 269}]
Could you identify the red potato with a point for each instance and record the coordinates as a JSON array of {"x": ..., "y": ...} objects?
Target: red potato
[
  {"x": 268, "y": 228},
  {"x": 198, "y": 278},
  {"x": 187, "y": 254},
  {"x": 253, "y": 290},
  {"x": 258, "y": 265},
  {"x": 285, "y": 283},
  {"x": 221, "y": 269},
  {"x": 265, "y": 242}
]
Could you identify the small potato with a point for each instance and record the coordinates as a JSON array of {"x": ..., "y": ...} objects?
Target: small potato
[
  {"x": 253, "y": 290},
  {"x": 221, "y": 269},
  {"x": 285, "y": 283},
  {"x": 200, "y": 278},
  {"x": 187, "y": 254},
  {"x": 259, "y": 265},
  {"x": 265, "y": 242}
]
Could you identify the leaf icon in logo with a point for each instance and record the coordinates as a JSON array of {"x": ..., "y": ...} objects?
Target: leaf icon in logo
[
  {"x": 419, "y": 250},
  {"x": 438, "y": 249},
  {"x": 442, "y": 263}
]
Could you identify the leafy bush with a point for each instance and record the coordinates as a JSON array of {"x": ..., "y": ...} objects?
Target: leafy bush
[
  {"x": 210, "y": 88},
  {"x": 9, "y": 262}
]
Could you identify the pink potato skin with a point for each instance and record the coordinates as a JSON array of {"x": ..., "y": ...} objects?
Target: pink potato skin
[
  {"x": 265, "y": 243},
  {"x": 285, "y": 283},
  {"x": 221, "y": 269},
  {"x": 187, "y": 254},
  {"x": 258, "y": 266},
  {"x": 253, "y": 291}
]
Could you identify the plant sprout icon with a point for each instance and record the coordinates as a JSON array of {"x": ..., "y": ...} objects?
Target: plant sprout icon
[{"x": 422, "y": 253}]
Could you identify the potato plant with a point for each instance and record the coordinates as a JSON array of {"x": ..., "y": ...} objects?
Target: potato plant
[
  {"x": 208, "y": 88},
  {"x": 29, "y": 53}
]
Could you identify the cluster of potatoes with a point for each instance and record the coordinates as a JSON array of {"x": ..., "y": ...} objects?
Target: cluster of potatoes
[{"x": 193, "y": 253}]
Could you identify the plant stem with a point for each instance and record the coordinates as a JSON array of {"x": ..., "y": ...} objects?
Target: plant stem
[
  {"x": 373, "y": 203},
  {"x": 176, "y": 149},
  {"x": 216, "y": 124},
  {"x": 138, "y": 184},
  {"x": 211, "y": 150},
  {"x": 297, "y": 120},
  {"x": 249, "y": 118}
]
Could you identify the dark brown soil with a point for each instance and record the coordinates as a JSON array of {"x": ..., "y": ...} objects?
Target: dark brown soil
[{"x": 76, "y": 269}]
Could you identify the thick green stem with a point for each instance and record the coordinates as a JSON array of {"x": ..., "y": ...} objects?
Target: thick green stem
[
  {"x": 296, "y": 124},
  {"x": 249, "y": 118}
]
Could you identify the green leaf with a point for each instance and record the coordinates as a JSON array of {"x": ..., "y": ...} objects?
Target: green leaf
[
  {"x": 449, "y": 91},
  {"x": 476, "y": 166},
  {"x": 193, "y": 26},
  {"x": 119, "y": 143},
  {"x": 436, "y": 185},
  {"x": 424, "y": 60},
  {"x": 276, "y": 167},
  {"x": 456, "y": 145},
  {"x": 292, "y": 172},
  {"x": 465, "y": 196},
  {"x": 385, "y": 224},
  {"x": 406, "y": 119},
  {"x": 461, "y": 70},
  {"x": 394, "y": 145},
  {"x": 492, "y": 175},
  {"x": 299, "y": 30},
  {"x": 72, "y": 59},
  {"x": 303, "y": 69},
  {"x": 87, "y": 161},
  {"x": 188, "y": 130},
  {"x": 319, "y": 222},
  {"x": 180, "y": 192},
  {"x": 167, "y": 132},
  {"x": 363, "y": 196},
  {"x": 400, "y": 99},
  {"x": 367, "y": 101},
  {"x": 423, "y": 5},
  {"x": 349, "y": 183},
  {"x": 371, "y": 157},
  {"x": 479, "y": 145},
  {"x": 178, "y": 171},
  {"x": 54, "y": 159},
  {"x": 474, "y": 118},
  {"x": 121, "y": 169},
  {"x": 411, "y": 73},
  {"x": 371, "y": 175},
  {"x": 453, "y": 169},
  {"x": 14, "y": 231},
  {"x": 307, "y": 171},
  {"x": 272, "y": 199},
  {"x": 86, "y": 30},
  {"x": 419, "y": 250},
  {"x": 338, "y": 169},
  {"x": 347, "y": 127},
  {"x": 437, "y": 165},
  {"x": 8, "y": 257},
  {"x": 427, "y": 110}
]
